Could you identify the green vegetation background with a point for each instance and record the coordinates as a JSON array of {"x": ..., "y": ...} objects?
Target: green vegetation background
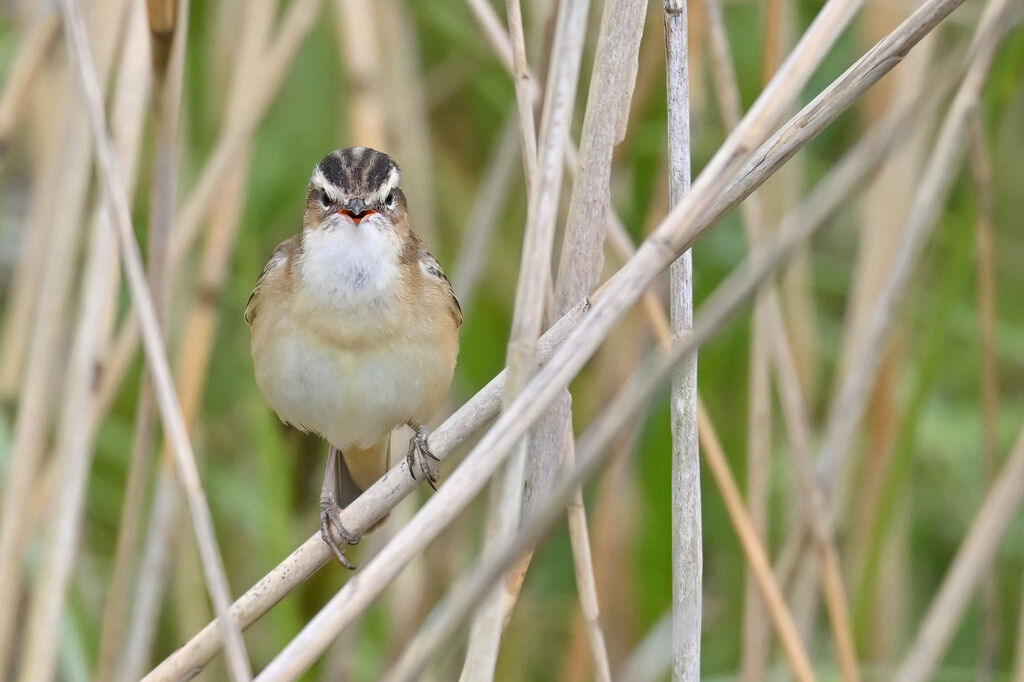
[{"x": 261, "y": 478}]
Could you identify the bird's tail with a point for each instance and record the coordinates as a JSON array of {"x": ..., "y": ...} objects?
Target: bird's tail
[{"x": 362, "y": 468}]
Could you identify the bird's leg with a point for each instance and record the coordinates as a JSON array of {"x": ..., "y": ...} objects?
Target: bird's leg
[
  {"x": 419, "y": 455},
  {"x": 330, "y": 510}
]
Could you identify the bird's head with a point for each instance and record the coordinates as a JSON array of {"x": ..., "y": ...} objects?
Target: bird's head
[{"x": 355, "y": 188}]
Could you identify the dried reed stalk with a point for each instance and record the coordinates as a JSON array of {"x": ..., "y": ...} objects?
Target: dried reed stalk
[
  {"x": 494, "y": 32},
  {"x": 153, "y": 572},
  {"x": 163, "y": 24},
  {"x": 847, "y": 407},
  {"x": 50, "y": 326},
  {"x": 526, "y": 91},
  {"x": 193, "y": 356},
  {"x": 756, "y": 555},
  {"x": 156, "y": 354},
  {"x": 850, "y": 174},
  {"x": 583, "y": 566},
  {"x": 881, "y": 216},
  {"x": 169, "y": 34},
  {"x": 75, "y": 439},
  {"x": 611, "y": 86},
  {"x": 755, "y": 642},
  {"x": 687, "y": 543},
  {"x": 770, "y": 339},
  {"x": 528, "y": 315},
  {"x": 135, "y": 80},
  {"x": 739, "y": 515}
]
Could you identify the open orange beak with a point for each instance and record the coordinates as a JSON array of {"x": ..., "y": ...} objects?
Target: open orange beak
[
  {"x": 356, "y": 217},
  {"x": 356, "y": 210}
]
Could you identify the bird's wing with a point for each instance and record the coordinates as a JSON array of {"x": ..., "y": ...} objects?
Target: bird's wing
[
  {"x": 432, "y": 269},
  {"x": 278, "y": 261}
]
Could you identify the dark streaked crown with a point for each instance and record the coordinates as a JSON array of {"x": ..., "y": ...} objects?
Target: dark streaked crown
[{"x": 358, "y": 171}]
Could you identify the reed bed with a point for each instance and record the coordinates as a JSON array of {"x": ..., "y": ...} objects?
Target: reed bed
[{"x": 764, "y": 424}]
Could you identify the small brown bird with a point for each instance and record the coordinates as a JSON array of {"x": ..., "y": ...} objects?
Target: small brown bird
[{"x": 355, "y": 328}]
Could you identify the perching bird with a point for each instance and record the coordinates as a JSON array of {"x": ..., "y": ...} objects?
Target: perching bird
[{"x": 355, "y": 328}]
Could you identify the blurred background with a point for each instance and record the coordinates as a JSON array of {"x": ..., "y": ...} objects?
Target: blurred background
[{"x": 267, "y": 90}]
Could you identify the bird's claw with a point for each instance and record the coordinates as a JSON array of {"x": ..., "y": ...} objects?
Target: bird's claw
[
  {"x": 330, "y": 515},
  {"x": 420, "y": 456}
]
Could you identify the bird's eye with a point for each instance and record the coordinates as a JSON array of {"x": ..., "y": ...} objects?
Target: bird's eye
[
  {"x": 389, "y": 200},
  {"x": 324, "y": 199}
]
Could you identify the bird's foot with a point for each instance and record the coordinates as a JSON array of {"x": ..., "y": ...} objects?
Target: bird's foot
[
  {"x": 420, "y": 457},
  {"x": 330, "y": 524}
]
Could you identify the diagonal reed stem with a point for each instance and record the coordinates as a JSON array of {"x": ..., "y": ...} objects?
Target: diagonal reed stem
[{"x": 156, "y": 353}]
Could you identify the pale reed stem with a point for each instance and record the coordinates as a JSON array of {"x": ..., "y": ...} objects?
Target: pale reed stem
[
  {"x": 156, "y": 353},
  {"x": 528, "y": 315}
]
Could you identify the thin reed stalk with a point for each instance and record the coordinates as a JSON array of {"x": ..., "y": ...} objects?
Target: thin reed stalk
[
  {"x": 757, "y": 557},
  {"x": 136, "y": 81},
  {"x": 847, "y": 407},
  {"x": 193, "y": 355},
  {"x": 687, "y": 527},
  {"x": 583, "y": 565},
  {"x": 50, "y": 326},
  {"x": 526, "y": 91},
  {"x": 528, "y": 315},
  {"x": 74, "y": 447},
  {"x": 985, "y": 240},
  {"x": 168, "y": 28},
  {"x": 611, "y": 87},
  {"x": 848, "y": 176},
  {"x": 156, "y": 354},
  {"x": 770, "y": 339},
  {"x": 881, "y": 216},
  {"x": 494, "y": 32},
  {"x": 756, "y": 646}
]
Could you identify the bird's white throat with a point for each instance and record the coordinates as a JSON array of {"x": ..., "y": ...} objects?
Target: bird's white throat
[{"x": 350, "y": 264}]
